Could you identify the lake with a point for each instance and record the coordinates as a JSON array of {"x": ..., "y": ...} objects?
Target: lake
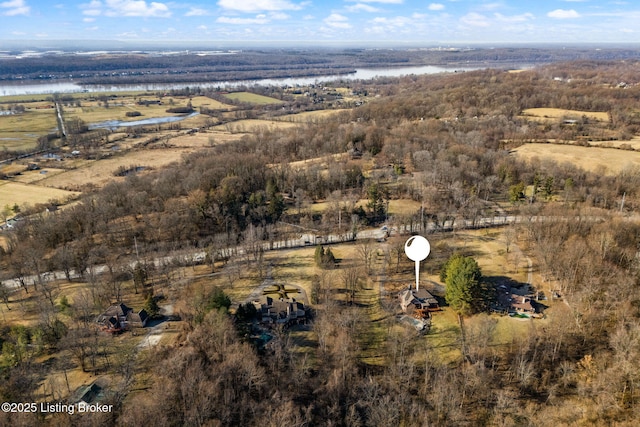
[
  {"x": 115, "y": 124},
  {"x": 360, "y": 74}
]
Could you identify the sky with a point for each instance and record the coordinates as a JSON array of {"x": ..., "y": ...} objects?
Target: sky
[{"x": 348, "y": 22}]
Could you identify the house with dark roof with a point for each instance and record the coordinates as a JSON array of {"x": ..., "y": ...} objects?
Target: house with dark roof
[
  {"x": 282, "y": 311},
  {"x": 510, "y": 302},
  {"x": 118, "y": 317},
  {"x": 418, "y": 300}
]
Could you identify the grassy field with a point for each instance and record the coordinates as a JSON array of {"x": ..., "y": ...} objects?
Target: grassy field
[
  {"x": 558, "y": 113},
  {"x": 633, "y": 143},
  {"x": 24, "y": 194},
  {"x": 252, "y": 98},
  {"x": 100, "y": 172},
  {"x": 21, "y": 131},
  {"x": 253, "y": 125},
  {"x": 608, "y": 161},
  {"x": 205, "y": 139},
  {"x": 311, "y": 116},
  {"x": 94, "y": 111}
]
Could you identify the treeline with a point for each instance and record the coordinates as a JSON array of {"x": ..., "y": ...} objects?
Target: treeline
[{"x": 248, "y": 64}]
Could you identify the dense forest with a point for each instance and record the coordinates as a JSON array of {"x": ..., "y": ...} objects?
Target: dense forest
[{"x": 441, "y": 140}]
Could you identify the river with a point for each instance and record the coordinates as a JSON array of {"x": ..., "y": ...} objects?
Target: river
[{"x": 360, "y": 74}]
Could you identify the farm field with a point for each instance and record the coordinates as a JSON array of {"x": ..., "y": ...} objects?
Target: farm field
[
  {"x": 23, "y": 194},
  {"x": 312, "y": 116},
  {"x": 205, "y": 139},
  {"x": 633, "y": 143},
  {"x": 31, "y": 177},
  {"x": 559, "y": 113},
  {"x": 21, "y": 131},
  {"x": 253, "y": 125},
  {"x": 252, "y": 98},
  {"x": 609, "y": 161},
  {"x": 100, "y": 172}
]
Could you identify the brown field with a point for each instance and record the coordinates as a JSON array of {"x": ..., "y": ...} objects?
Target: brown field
[
  {"x": 203, "y": 101},
  {"x": 100, "y": 172},
  {"x": 95, "y": 111},
  {"x": 24, "y": 194},
  {"x": 558, "y": 113},
  {"x": 253, "y": 125},
  {"x": 633, "y": 143},
  {"x": 205, "y": 139},
  {"x": 252, "y": 98},
  {"x": 30, "y": 177},
  {"x": 595, "y": 159},
  {"x": 311, "y": 116},
  {"x": 403, "y": 207}
]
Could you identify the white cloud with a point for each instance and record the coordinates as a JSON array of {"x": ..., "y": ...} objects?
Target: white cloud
[
  {"x": 259, "y": 5},
  {"x": 514, "y": 18},
  {"x": 259, "y": 19},
  {"x": 14, "y": 8},
  {"x": 92, "y": 9},
  {"x": 475, "y": 20},
  {"x": 335, "y": 20},
  {"x": 128, "y": 8},
  {"x": 436, "y": 6},
  {"x": 137, "y": 8},
  {"x": 361, "y": 7},
  {"x": 196, "y": 11},
  {"x": 88, "y": 19},
  {"x": 563, "y": 14},
  {"x": 279, "y": 16},
  {"x": 396, "y": 22},
  {"x": 380, "y": 1},
  {"x": 491, "y": 6}
]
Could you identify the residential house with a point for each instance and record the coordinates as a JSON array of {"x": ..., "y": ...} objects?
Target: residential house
[
  {"x": 418, "y": 302},
  {"x": 510, "y": 302},
  {"x": 118, "y": 317},
  {"x": 282, "y": 311}
]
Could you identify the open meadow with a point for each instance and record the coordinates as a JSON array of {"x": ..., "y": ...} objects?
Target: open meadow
[
  {"x": 99, "y": 172},
  {"x": 12, "y": 193},
  {"x": 609, "y": 161},
  {"x": 555, "y": 114},
  {"x": 252, "y": 98}
]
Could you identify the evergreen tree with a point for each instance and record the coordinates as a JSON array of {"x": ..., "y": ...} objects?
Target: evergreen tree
[
  {"x": 465, "y": 292},
  {"x": 151, "y": 306}
]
